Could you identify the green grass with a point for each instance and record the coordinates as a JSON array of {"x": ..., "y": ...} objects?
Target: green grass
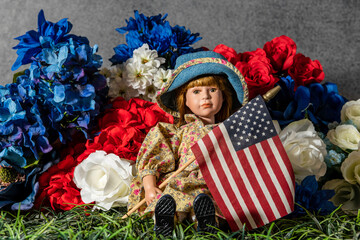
[{"x": 87, "y": 224}]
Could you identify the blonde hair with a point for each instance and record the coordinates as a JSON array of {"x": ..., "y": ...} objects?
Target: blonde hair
[{"x": 219, "y": 81}]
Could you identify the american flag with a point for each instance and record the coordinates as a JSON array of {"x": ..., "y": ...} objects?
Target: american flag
[{"x": 246, "y": 168}]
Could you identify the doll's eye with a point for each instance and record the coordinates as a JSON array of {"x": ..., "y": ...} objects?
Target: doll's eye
[
  {"x": 213, "y": 89},
  {"x": 196, "y": 91}
]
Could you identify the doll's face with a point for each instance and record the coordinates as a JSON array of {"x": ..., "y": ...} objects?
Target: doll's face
[{"x": 205, "y": 102}]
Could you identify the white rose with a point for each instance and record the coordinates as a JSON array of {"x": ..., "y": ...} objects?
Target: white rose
[
  {"x": 346, "y": 194},
  {"x": 350, "y": 168},
  {"x": 305, "y": 149},
  {"x": 351, "y": 111},
  {"x": 104, "y": 179},
  {"x": 345, "y": 137}
]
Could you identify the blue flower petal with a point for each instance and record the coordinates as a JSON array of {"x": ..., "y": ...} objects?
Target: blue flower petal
[
  {"x": 14, "y": 155},
  {"x": 59, "y": 93},
  {"x": 86, "y": 91}
]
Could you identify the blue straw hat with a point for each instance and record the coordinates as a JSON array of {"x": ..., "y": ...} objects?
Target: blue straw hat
[{"x": 192, "y": 65}]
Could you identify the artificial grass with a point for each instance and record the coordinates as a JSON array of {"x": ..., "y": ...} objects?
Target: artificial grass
[{"x": 80, "y": 223}]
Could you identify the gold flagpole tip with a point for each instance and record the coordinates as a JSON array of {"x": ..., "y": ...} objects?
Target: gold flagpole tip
[{"x": 271, "y": 93}]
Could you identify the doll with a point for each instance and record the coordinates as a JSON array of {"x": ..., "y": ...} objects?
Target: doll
[{"x": 204, "y": 90}]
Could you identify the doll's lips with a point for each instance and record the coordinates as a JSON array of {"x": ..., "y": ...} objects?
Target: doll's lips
[{"x": 206, "y": 105}]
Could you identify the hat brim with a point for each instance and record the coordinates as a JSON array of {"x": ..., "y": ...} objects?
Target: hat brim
[{"x": 166, "y": 99}]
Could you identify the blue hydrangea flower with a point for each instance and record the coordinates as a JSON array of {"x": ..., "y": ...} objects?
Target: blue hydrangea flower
[
  {"x": 308, "y": 196},
  {"x": 321, "y": 103},
  {"x": 64, "y": 72},
  {"x": 23, "y": 135},
  {"x": 60, "y": 95},
  {"x": 170, "y": 42}
]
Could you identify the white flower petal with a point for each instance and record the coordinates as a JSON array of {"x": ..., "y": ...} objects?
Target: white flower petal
[
  {"x": 345, "y": 136},
  {"x": 104, "y": 179},
  {"x": 305, "y": 149}
]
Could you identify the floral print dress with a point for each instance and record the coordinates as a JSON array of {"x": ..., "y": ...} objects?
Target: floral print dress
[{"x": 164, "y": 150}]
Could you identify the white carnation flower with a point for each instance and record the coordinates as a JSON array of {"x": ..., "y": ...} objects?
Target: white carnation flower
[
  {"x": 345, "y": 137},
  {"x": 306, "y": 150},
  {"x": 350, "y": 168},
  {"x": 351, "y": 111},
  {"x": 145, "y": 56},
  {"x": 138, "y": 76},
  {"x": 117, "y": 85},
  {"x": 161, "y": 77},
  {"x": 104, "y": 179},
  {"x": 150, "y": 93}
]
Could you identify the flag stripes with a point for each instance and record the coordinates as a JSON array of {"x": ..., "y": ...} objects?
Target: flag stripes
[
  {"x": 254, "y": 203},
  {"x": 246, "y": 168}
]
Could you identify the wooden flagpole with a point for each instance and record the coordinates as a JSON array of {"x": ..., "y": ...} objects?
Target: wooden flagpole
[{"x": 163, "y": 184}]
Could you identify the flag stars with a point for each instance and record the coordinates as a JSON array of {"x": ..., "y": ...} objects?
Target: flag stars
[
  {"x": 267, "y": 122},
  {"x": 241, "y": 137},
  {"x": 231, "y": 127},
  {"x": 238, "y": 129},
  {"x": 240, "y": 123},
  {"x": 262, "y": 120},
  {"x": 243, "y": 132},
  {"x": 249, "y": 134},
  {"x": 250, "y": 115},
  {"x": 263, "y": 133},
  {"x": 242, "y": 118},
  {"x": 256, "y": 117},
  {"x": 271, "y": 130},
  {"x": 235, "y": 135},
  {"x": 234, "y": 121},
  {"x": 248, "y": 120},
  {"x": 247, "y": 140},
  {"x": 238, "y": 143},
  {"x": 246, "y": 126}
]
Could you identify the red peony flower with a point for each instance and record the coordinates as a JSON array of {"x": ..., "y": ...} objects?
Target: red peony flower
[
  {"x": 136, "y": 112},
  {"x": 257, "y": 71},
  {"x": 228, "y": 52},
  {"x": 281, "y": 51},
  {"x": 124, "y": 142},
  {"x": 125, "y": 126},
  {"x": 305, "y": 71}
]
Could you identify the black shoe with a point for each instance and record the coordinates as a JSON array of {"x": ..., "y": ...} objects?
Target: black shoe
[
  {"x": 164, "y": 216},
  {"x": 205, "y": 213}
]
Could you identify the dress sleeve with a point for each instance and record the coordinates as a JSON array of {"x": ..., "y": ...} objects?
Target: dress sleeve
[{"x": 158, "y": 152}]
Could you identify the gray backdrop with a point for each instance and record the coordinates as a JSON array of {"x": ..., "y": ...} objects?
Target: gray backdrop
[{"x": 327, "y": 30}]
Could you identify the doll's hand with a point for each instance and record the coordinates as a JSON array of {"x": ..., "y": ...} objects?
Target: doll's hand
[
  {"x": 151, "y": 190},
  {"x": 151, "y": 193}
]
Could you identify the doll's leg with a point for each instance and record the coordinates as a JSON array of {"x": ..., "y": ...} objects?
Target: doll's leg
[
  {"x": 164, "y": 215},
  {"x": 205, "y": 213}
]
